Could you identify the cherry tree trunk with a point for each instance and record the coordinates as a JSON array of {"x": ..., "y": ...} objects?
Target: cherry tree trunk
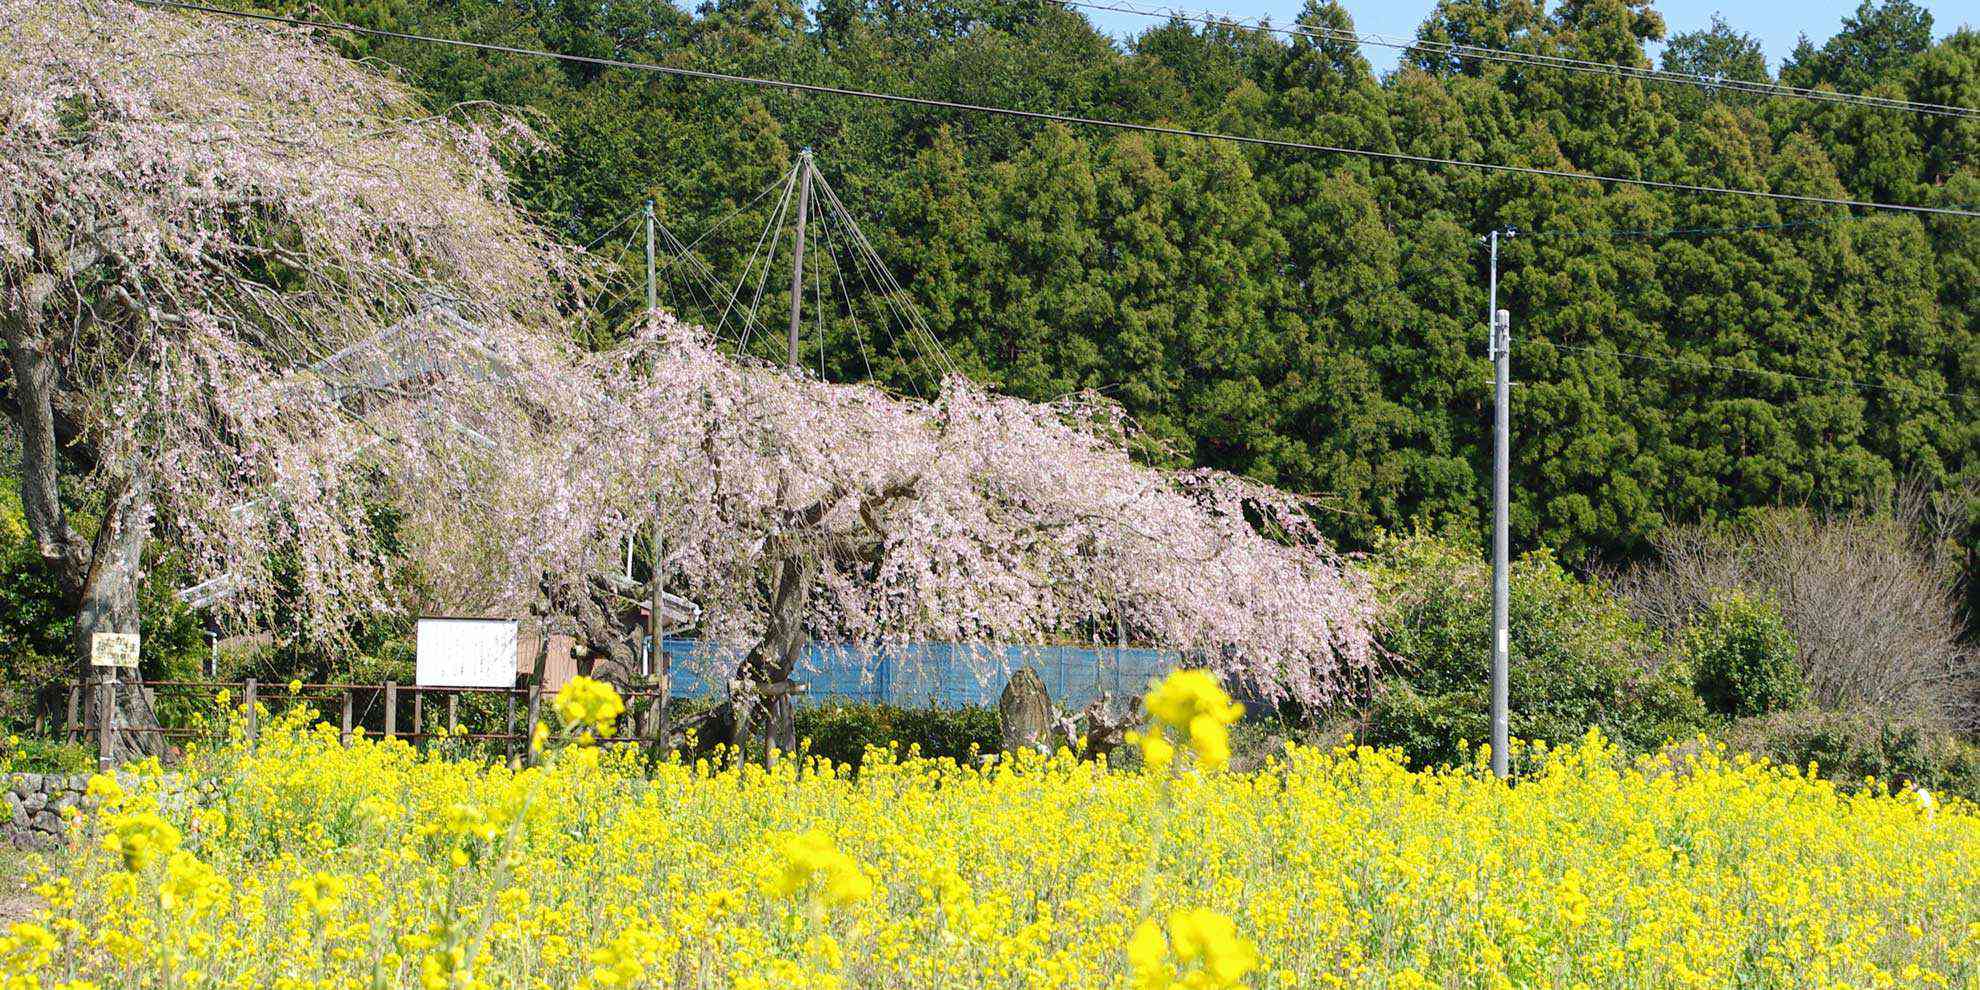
[
  {"x": 104, "y": 574},
  {"x": 109, "y": 604},
  {"x": 763, "y": 685}
]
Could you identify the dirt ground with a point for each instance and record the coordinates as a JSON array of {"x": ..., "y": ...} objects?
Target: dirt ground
[{"x": 17, "y": 902}]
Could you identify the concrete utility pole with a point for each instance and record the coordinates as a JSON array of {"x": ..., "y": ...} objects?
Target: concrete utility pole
[
  {"x": 797, "y": 257},
  {"x": 1500, "y": 348}
]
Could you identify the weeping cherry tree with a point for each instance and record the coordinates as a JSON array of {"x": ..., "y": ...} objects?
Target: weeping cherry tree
[{"x": 246, "y": 285}]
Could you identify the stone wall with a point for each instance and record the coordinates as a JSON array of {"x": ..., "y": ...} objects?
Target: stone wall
[{"x": 33, "y": 804}]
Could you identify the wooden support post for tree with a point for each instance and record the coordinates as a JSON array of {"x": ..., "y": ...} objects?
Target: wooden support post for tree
[
  {"x": 391, "y": 709},
  {"x": 769, "y": 748},
  {"x": 249, "y": 692},
  {"x": 419, "y": 716},
  {"x": 535, "y": 715},
  {"x": 344, "y": 731},
  {"x": 663, "y": 666},
  {"x": 74, "y": 723}
]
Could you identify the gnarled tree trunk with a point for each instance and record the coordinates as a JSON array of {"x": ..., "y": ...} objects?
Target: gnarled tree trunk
[
  {"x": 108, "y": 604},
  {"x": 762, "y": 686},
  {"x": 103, "y": 575}
]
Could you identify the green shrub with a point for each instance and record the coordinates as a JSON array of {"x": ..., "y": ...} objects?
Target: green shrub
[
  {"x": 1743, "y": 658},
  {"x": 1578, "y": 658},
  {"x": 1848, "y": 748},
  {"x": 841, "y": 732},
  {"x": 20, "y": 755}
]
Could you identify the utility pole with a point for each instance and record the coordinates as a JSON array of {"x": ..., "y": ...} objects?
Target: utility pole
[
  {"x": 1500, "y": 324},
  {"x": 797, "y": 257},
  {"x": 652, "y": 299},
  {"x": 655, "y": 624}
]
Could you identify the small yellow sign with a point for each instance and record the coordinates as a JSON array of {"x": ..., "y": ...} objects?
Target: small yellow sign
[{"x": 113, "y": 650}]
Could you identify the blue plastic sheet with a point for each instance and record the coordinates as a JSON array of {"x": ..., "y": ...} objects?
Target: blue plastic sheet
[{"x": 939, "y": 675}]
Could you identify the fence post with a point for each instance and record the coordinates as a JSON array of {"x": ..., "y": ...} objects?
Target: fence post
[
  {"x": 535, "y": 713},
  {"x": 663, "y": 739},
  {"x": 248, "y": 694},
  {"x": 419, "y": 716},
  {"x": 391, "y": 709},
  {"x": 74, "y": 724},
  {"x": 509, "y": 722},
  {"x": 453, "y": 713},
  {"x": 344, "y": 734},
  {"x": 106, "y": 720}
]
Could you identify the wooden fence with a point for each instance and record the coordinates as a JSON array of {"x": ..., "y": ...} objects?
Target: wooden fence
[{"x": 194, "y": 711}]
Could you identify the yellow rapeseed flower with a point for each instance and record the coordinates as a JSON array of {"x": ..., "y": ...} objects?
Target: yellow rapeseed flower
[
  {"x": 812, "y": 854},
  {"x": 319, "y": 893},
  {"x": 588, "y": 705},
  {"x": 140, "y": 837},
  {"x": 301, "y": 861},
  {"x": 1192, "y": 703}
]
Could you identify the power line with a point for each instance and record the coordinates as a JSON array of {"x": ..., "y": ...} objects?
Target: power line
[
  {"x": 1060, "y": 117},
  {"x": 609, "y": 231},
  {"x": 1690, "y": 231},
  {"x": 1736, "y": 369},
  {"x": 1481, "y": 53}
]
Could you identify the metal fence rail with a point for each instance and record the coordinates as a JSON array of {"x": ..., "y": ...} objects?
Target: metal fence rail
[{"x": 418, "y": 714}]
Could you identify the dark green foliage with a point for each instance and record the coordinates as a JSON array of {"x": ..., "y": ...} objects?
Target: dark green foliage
[
  {"x": 842, "y": 733},
  {"x": 37, "y": 628},
  {"x": 1579, "y": 660},
  {"x": 1848, "y": 748},
  {"x": 31, "y": 755},
  {"x": 1719, "y": 52},
  {"x": 1743, "y": 658},
  {"x": 1874, "y": 45}
]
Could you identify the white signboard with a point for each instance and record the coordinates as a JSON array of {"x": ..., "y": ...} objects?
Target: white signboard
[
  {"x": 467, "y": 653},
  {"x": 113, "y": 650}
]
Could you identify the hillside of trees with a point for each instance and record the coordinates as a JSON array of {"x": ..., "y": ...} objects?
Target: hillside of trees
[{"x": 1316, "y": 321}]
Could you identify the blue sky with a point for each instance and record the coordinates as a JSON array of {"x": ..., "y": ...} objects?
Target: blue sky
[{"x": 1777, "y": 23}]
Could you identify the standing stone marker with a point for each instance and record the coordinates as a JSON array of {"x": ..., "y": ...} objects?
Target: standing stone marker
[{"x": 1024, "y": 713}]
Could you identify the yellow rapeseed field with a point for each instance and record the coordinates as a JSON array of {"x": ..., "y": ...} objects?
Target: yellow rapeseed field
[{"x": 372, "y": 865}]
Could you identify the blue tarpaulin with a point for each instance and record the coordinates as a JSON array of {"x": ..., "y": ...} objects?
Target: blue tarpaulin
[{"x": 936, "y": 675}]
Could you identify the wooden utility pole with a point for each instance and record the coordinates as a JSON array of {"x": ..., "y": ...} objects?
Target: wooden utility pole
[
  {"x": 652, "y": 299},
  {"x": 655, "y": 626},
  {"x": 797, "y": 258}
]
